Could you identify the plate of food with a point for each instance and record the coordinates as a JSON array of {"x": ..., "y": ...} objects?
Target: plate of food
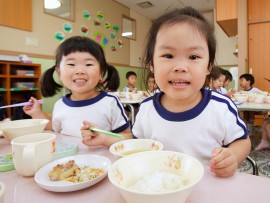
[{"x": 73, "y": 173}]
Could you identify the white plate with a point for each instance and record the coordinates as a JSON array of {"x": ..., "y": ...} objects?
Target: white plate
[{"x": 94, "y": 161}]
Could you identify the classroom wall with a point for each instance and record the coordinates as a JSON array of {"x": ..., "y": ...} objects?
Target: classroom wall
[
  {"x": 125, "y": 58},
  {"x": 46, "y": 26}
]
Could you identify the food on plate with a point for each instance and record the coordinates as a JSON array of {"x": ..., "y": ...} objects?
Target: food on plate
[
  {"x": 71, "y": 172},
  {"x": 159, "y": 182}
]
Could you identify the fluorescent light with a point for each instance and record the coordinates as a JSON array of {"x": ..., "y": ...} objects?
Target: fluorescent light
[
  {"x": 52, "y": 4},
  {"x": 124, "y": 34}
]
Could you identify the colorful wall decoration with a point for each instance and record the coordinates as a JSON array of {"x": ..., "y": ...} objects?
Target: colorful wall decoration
[{"x": 104, "y": 32}]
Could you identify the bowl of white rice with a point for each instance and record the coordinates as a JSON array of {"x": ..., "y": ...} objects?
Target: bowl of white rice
[{"x": 156, "y": 176}]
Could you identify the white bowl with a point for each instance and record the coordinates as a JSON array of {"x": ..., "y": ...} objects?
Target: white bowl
[
  {"x": 259, "y": 98},
  {"x": 241, "y": 97},
  {"x": 17, "y": 128},
  {"x": 145, "y": 170},
  {"x": 131, "y": 146}
]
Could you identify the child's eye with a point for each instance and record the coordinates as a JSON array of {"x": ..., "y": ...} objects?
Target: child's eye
[
  {"x": 193, "y": 57},
  {"x": 71, "y": 64},
  {"x": 169, "y": 56}
]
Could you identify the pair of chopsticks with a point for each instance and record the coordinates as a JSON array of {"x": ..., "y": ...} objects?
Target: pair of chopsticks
[
  {"x": 21, "y": 104},
  {"x": 106, "y": 132}
]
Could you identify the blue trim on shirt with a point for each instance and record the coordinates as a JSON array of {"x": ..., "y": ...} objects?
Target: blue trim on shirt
[
  {"x": 234, "y": 112},
  {"x": 181, "y": 116},
  {"x": 119, "y": 104},
  {"x": 81, "y": 103},
  {"x": 121, "y": 128}
]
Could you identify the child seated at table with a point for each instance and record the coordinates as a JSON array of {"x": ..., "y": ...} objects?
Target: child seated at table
[
  {"x": 228, "y": 79},
  {"x": 131, "y": 77},
  {"x": 81, "y": 65},
  {"x": 151, "y": 85},
  {"x": 246, "y": 82},
  {"x": 186, "y": 117},
  {"x": 215, "y": 79}
]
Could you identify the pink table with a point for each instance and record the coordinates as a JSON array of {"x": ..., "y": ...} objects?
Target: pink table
[{"x": 239, "y": 188}]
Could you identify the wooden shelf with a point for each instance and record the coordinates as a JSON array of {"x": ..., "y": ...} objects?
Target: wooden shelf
[
  {"x": 226, "y": 16},
  {"x": 9, "y": 90}
]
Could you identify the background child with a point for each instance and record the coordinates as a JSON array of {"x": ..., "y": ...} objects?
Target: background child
[
  {"x": 185, "y": 117},
  {"x": 151, "y": 86},
  {"x": 246, "y": 83},
  {"x": 215, "y": 79},
  {"x": 81, "y": 65},
  {"x": 228, "y": 79},
  {"x": 131, "y": 82}
]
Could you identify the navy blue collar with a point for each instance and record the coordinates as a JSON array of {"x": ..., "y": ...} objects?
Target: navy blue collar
[
  {"x": 181, "y": 116},
  {"x": 87, "y": 102}
]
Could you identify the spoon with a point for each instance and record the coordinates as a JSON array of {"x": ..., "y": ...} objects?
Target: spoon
[
  {"x": 21, "y": 104},
  {"x": 106, "y": 132}
]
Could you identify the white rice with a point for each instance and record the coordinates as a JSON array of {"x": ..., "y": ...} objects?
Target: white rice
[{"x": 159, "y": 182}]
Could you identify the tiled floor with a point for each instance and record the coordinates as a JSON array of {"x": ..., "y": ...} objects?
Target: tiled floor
[{"x": 261, "y": 157}]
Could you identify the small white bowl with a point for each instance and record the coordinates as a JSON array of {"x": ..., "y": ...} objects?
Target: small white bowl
[
  {"x": 156, "y": 176},
  {"x": 131, "y": 146},
  {"x": 259, "y": 98},
  {"x": 17, "y": 128},
  {"x": 241, "y": 97}
]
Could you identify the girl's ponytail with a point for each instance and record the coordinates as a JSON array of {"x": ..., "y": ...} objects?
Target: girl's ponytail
[
  {"x": 48, "y": 86},
  {"x": 112, "y": 81}
]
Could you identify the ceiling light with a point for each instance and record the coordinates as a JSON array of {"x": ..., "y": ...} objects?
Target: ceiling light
[
  {"x": 124, "y": 34},
  {"x": 145, "y": 4},
  {"x": 52, "y": 4}
]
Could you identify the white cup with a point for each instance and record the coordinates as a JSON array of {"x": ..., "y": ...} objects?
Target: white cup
[
  {"x": 31, "y": 152},
  {"x": 2, "y": 190}
]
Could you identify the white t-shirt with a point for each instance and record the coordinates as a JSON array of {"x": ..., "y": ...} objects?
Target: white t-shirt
[
  {"x": 223, "y": 90},
  {"x": 253, "y": 90},
  {"x": 214, "y": 122},
  {"x": 105, "y": 111}
]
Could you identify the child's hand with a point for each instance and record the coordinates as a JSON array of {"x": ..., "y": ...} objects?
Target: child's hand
[
  {"x": 91, "y": 138},
  {"x": 223, "y": 162},
  {"x": 33, "y": 110}
]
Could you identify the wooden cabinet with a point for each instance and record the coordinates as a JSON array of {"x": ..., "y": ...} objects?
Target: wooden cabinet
[
  {"x": 18, "y": 82},
  {"x": 259, "y": 42},
  {"x": 226, "y": 16},
  {"x": 16, "y": 14}
]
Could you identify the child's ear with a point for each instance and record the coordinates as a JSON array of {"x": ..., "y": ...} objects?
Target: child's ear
[{"x": 209, "y": 69}]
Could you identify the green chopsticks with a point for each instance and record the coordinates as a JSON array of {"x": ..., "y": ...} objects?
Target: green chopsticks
[{"x": 106, "y": 132}]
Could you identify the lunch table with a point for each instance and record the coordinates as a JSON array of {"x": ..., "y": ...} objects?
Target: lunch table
[
  {"x": 240, "y": 187},
  {"x": 252, "y": 106}
]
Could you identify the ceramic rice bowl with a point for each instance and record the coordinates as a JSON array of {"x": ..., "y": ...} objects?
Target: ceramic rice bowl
[{"x": 156, "y": 176}]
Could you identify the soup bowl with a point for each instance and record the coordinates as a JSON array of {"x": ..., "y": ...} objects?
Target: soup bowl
[{"x": 131, "y": 146}]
